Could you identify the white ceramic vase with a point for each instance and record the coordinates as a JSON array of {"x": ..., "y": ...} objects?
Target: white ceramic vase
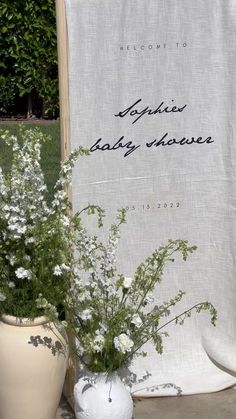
[
  {"x": 102, "y": 396},
  {"x": 33, "y": 363}
]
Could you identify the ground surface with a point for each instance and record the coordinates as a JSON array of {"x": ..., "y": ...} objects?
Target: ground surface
[{"x": 220, "y": 405}]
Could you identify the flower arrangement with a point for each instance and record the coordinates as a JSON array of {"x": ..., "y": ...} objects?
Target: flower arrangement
[
  {"x": 49, "y": 263},
  {"x": 35, "y": 251},
  {"x": 113, "y": 316}
]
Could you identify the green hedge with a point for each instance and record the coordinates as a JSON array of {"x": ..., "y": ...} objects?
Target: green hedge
[{"x": 28, "y": 54}]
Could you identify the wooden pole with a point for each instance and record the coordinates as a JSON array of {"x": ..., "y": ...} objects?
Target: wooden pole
[{"x": 63, "y": 68}]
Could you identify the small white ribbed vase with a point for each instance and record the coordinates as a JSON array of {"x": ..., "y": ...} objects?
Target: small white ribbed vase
[
  {"x": 102, "y": 396},
  {"x": 33, "y": 363}
]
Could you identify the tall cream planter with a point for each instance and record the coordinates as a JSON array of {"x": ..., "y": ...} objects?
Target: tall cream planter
[{"x": 33, "y": 362}]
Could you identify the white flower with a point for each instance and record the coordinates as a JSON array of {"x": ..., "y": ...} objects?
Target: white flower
[
  {"x": 21, "y": 229},
  {"x": 11, "y": 284},
  {"x": 2, "y": 297},
  {"x": 14, "y": 227},
  {"x": 137, "y": 321},
  {"x": 6, "y": 208},
  {"x": 98, "y": 343},
  {"x": 127, "y": 282},
  {"x": 65, "y": 221},
  {"x": 41, "y": 302},
  {"x": 123, "y": 343},
  {"x": 23, "y": 273},
  {"x": 29, "y": 240},
  {"x": 86, "y": 314},
  {"x": 42, "y": 188},
  {"x": 57, "y": 271},
  {"x": 12, "y": 259}
]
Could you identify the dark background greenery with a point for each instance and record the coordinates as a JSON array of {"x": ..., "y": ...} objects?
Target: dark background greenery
[{"x": 28, "y": 58}]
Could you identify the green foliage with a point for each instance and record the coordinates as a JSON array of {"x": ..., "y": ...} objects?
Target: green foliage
[{"x": 28, "y": 54}]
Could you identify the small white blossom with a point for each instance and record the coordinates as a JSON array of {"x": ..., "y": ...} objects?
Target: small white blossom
[
  {"x": 98, "y": 343},
  {"x": 123, "y": 343},
  {"x": 43, "y": 188},
  {"x": 29, "y": 240},
  {"x": 52, "y": 310},
  {"x": 16, "y": 228},
  {"x": 11, "y": 284},
  {"x": 23, "y": 273},
  {"x": 41, "y": 302},
  {"x": 127, "y": 282},
  {"x": 6, "y": 208},
  {"x": 57, "y": 271},
  {"x": 65, "y": 221},
  {"x": 137, "y": 321},
  {"x": 12, "y": 259},
  {"x": 86, "y": 314}
]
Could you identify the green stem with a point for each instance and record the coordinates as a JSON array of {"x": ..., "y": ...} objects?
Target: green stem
[
  {"x": 164, "y": 325},
  {"x": 158, "y": 270},
  {"x": 180, "y": 315}
]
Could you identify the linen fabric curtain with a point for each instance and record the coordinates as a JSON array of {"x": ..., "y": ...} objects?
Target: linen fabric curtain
[{"x": 152, "y": 94}]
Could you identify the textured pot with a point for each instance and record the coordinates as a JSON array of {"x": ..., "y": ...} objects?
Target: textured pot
[
  {"x": 102, "y": 396},
  {"x": 33, "y": 362}
]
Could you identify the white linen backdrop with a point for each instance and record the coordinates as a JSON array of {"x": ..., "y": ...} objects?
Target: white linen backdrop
[{"x": 159, "y": 54}]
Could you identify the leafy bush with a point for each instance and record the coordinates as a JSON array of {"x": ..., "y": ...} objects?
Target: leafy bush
[{"x": 28, "y": 54}]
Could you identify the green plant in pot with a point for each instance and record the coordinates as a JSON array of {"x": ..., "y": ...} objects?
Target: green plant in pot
[
  {"x": 113, "y": 316},
  {"x": 35, "y": 256}
]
